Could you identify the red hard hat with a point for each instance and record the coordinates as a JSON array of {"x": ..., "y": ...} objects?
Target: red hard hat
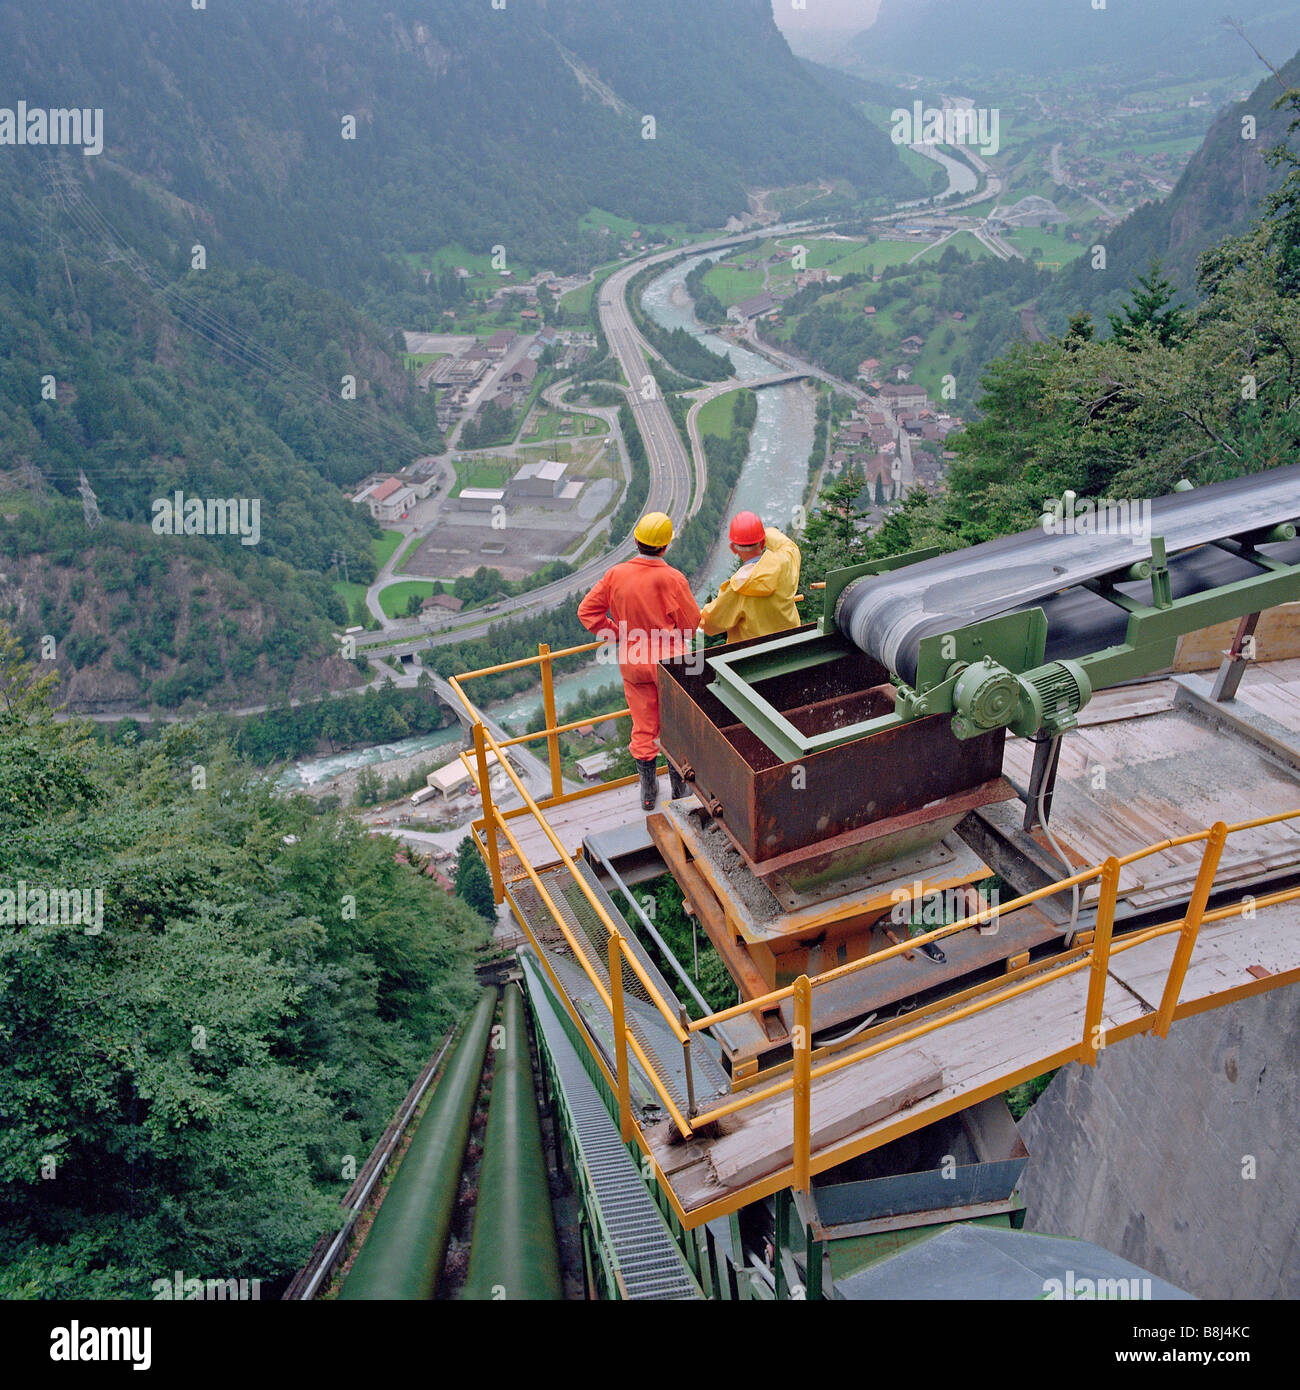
[{"x": 747, "y": 529}]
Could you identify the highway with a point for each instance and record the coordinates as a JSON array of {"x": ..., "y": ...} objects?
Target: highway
[{"x": 672, "y": 474}]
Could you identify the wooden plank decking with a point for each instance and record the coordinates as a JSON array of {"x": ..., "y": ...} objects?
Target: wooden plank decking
[
  {"x": 1160, "y": 775},
  {"x": 873, "y": 1101},
  {"x": 573, "y": 821},
  {"x": 1138, "y": 771}
]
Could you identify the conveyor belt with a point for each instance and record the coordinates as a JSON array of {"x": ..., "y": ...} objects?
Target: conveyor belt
[
  {"x": 648, "y": 1263},
  {"x": 888, "y": 616}
]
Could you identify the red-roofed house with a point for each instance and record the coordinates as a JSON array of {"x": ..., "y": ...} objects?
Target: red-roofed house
[{"x": 389, "y": 499}]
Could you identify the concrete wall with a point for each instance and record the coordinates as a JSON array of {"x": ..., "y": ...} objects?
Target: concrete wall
[{"x": 1145, "y": 1153}]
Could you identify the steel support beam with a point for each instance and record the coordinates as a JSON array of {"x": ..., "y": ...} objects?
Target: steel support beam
[{"x": 1235, "y": 660}]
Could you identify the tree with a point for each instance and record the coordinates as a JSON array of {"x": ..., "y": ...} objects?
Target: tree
[
  {"x": 473, "y": 885},
  {"x": 188, "y": 1068},
  {"x": 369, "y": 787},
  {"x": 1152, "y": 310},
  {"x": 1080, "y": 330},
  {"x": 1004, "y": 458}
]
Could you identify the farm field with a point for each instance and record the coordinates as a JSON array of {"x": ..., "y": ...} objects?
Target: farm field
[
  {"x": 715, "y": 418},
  {"x": 1054, "y": 246},
  {"x": 393, "y": 598}
]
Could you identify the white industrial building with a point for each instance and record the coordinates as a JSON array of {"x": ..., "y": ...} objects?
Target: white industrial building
[
  {"x": 539, "y": 479},
  {"x": 544, "y": 480},
  {"x": 456, "y": 777},
  {"x": 481, "y": 499}
]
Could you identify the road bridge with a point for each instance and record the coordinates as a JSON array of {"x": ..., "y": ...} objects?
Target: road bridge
[{"x": 711, "y": 393}]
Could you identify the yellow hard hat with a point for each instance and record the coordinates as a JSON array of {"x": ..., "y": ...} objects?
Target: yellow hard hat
[{"x": 654, "y": 529}]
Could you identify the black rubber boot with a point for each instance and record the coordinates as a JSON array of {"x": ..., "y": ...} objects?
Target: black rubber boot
[
  {"x": 649, "y": 783},
  {"x": 677, "y": 783}
]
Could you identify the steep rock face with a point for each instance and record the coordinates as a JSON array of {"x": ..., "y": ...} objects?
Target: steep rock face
[
  {"x": 725, "y": 78},
  {"x": 1225, "y": 182},
  {"x": 1180, "y": 1154},
  {"x": 472, "y": 125}
]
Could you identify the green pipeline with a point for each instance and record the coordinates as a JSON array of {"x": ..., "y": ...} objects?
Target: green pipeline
[
  {"x": 403, "y": 1254},
  {"x": 513, "y": 1254}
]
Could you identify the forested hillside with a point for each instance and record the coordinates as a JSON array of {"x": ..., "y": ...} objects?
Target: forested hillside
[
  {"x": 192, "y": 1079},
  {"x": 825, "y": 324},
  {"x": 474, "y": 125},
  {"x": 224, "y": 384},
  {"x": 183, "y": 310}
]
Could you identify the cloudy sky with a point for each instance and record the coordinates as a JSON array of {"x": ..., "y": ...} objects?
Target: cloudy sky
[{"x": 825, "y": 14}]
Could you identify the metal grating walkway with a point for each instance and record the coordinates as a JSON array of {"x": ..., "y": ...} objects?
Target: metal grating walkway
[
  {"x": 644, "y": 1019},
  {"x": 649, "y": 1264}
]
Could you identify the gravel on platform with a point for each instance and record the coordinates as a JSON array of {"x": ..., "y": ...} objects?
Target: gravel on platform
[{"x": 751, "y": 891}]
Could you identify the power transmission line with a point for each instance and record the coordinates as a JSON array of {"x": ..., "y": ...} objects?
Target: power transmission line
[
  {"x": 207, "y": 324},
  {"x": 35, "y": 480}
]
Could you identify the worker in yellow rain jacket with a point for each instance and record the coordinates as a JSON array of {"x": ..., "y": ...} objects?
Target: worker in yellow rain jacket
[{"x": 759, "y": 598}]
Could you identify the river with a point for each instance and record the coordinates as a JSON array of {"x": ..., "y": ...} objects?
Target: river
[
  {"x": 775, "y": 475},
  {"x": 315, "y": 770},
  {"x": 772, "y": 483},
  {"x": 962, "y": 179},
  {"x": 512, "y": 713}
]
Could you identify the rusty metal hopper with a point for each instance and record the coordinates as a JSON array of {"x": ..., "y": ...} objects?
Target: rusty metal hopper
[{"x": 878, "y": 795}]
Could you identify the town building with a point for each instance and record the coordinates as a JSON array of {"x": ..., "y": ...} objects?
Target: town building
[
  {"x": 481, "y": 499},
  {"x": 590, "y": 767},
  {"x": 389, "y": 499},
  {"x": 753, "y": 308},
  {"x": 902, "y": 395},
  {"x": 522, "y": 374}
]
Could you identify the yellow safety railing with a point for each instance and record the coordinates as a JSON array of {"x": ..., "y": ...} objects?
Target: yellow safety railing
[
  {"x": 1094, "y": 956},
  {"x": 496, "y": 824}
]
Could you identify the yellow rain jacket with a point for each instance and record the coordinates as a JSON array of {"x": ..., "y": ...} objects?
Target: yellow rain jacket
[{"x": 759, "y": 598}]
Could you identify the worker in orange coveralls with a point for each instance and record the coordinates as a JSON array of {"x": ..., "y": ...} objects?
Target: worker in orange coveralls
[{"x": 648, "y": 608}]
